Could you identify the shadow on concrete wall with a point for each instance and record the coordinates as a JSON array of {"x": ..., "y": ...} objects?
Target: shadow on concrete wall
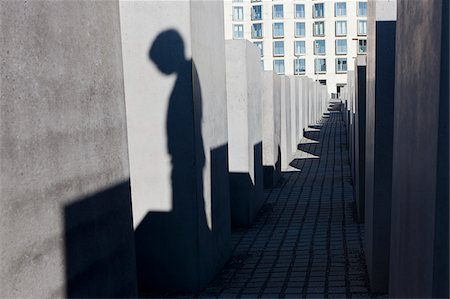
[
  {"x": 170, "y": 244},
  {"x": 272, "y": 174},
  {"x": 246, "y": 195},
  {"x": 99, "y": 246}
]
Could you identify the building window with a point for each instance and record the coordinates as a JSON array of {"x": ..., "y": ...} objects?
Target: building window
[
  {"x": 320, "y": 65},
  {"x": 319, "y": 47},
  {"x": 299, "y": 29},
  {"x": 299, "y": 47},
  {"x": 278, "y": 66},
  {"x": 362, "y": 9},
  {"x": 340, "y": 9},
  {"x": 319, "y": 29},
  {"x": 299, "y": 11},
  {"x": 257, "y": 12},
  {"x": 362, "y": 27},
  {"x": 238, "y": 31},
  {"x": 299, "y": 66},
  {"x": 278, "y": 29},
  {"x": 260, "y": 46},
  {"x": 362, "y": 46},
  {"x": 341, "y": 28},
  {"x": 341, "y": 65},
  {"x": 238, "y": 13},
  {"x": 278, "y": 11},
  {"x": 257, "y": 31},
  {"x": 318, "y": 10},
  {"x": 278, "y": 48},
  {"x": 341, "y": 46}
]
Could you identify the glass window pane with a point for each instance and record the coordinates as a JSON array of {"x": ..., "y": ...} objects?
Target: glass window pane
[
  {"x": 278, "y": 48},
  {"x": 299, "y": 29},
  {"x": 257, "y": 12},
  {"x": 340, "y": 9},
  {"x": 278, "y": 11},
  {"x": 341, "y": 28},
  {"x": 278, "y": 29},
  {"x": 299, "y": 11},
  {"x": 278, "y": 66},
  {"x": 341, "y": 65},
  {"x": 299, "y": 66},
  {"x": 257, "y": 31},
  {"x": 238, "y": 13},
  {"x": 341, "y": 46},
  {"x": 362, "y": 9},
  {"x": 319, "y": 29},
  {"x": 318, "y": 10},
  {"x": 260, "y": 46},
  {"x": 362, "y": 27},
  {"x": 319, "y": 47},
  {"x": 362, "y": 43},
  {"x": 300, "y": 47},
  {"x": 320, "y": 65},
  {"x": 238, "y": 31}
]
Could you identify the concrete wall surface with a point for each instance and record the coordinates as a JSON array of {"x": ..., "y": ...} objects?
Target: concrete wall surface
[
  {"x": 244, "y": 108},
  {"x": 420, "y": 179},
  {"x": 271, "y": 128},
  {"x": 379, "y": 139},
  {"x": 295, "y": 109},
  {"x": 175, "y": 92},
  {"x": 360, "y": 135},
  {"x": 65, "y": 214},
  {"x": 286, "y": 123}
]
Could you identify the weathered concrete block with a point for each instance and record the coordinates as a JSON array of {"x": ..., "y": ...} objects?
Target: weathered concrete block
[
  {"x": 65, "y": 214},
  {"x": 420, "y": 178},
  {"x": 286, "y": 123},
  {"x": 360, "y": 136},
  {"x": 244, "y": 104},
  {"x": 304, "y": 103},
  {"x": 174, "y": 67},
  {"x": 271, "y": 128},
  {"x": 295, "y": 109},
  {"x": 379, "y": 138}
]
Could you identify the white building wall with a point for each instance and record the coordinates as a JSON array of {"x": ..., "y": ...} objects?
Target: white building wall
[{"x": 332, "y": 78}]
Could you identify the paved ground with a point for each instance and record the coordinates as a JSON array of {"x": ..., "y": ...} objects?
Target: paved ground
[{"x": 305, "y": 242}]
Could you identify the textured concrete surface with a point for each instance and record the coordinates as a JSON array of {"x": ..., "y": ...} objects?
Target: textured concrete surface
[
  {"x": 286, "y": 123},
  {"x": 295, "y": 110},
  {"x": 65, "y": 214},
  {"x": 244, "y": 109},
  {"x": 305, "y": 242},
  {"x": 420, "y": 179},
  {"x": 271, "y": 128},
  {"x": 379, "y": 139},
  {"x": 174, "y": 67}
]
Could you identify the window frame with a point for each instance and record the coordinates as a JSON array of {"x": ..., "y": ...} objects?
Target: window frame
[
  {"x": 295, "y": 66},
  {"x": 336, "y": 27},
  {"x": 346, "y": 46},
  {"x": 284, "y": 66},
  {"x": 273, "y": 30},
  {"x": 315, "y": 66},
  {"x": 336, "y": 9},
  {"x": 295, "y": 11},
  {"x": 242, "y": 16},
  {"x": 314, "y": 28},
  {"x": 253, "y": 12},
  {"x": 295, "y": 48},
  {"x": 358, "y": 32},
  {"x": 316, "y": 52},
  {"x": 274, "y": 47},
  {"x": 295, "y": 29},
  {"x": 314, "y": 10},
  {"x": 346, "y": 65},
  {"x": 238, "y": 25},
  {"x": 274, "y": 17},
  {"x": 262, "y": 31}
]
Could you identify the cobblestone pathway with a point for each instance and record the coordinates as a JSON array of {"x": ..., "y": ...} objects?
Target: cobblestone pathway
[{"x": 305, "y": 241}]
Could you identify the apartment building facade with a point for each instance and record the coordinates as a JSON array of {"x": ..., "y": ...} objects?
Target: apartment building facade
[{"x": 316, "y": 38}]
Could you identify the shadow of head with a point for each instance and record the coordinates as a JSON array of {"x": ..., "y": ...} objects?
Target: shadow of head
[{"x": 167, "y": 52}]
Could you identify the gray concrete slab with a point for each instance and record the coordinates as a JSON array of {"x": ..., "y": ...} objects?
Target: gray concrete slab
[
  {"x": 379, "y": 139},
  {"x": 65, "y": 214},
  {"x": 244, "y": 108},
  {"x": 271, "y": 128},
  {"x": 175, "y": 90},
  {"x": 420, "y": 178},
  {"x": 286, "y": 123}
]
